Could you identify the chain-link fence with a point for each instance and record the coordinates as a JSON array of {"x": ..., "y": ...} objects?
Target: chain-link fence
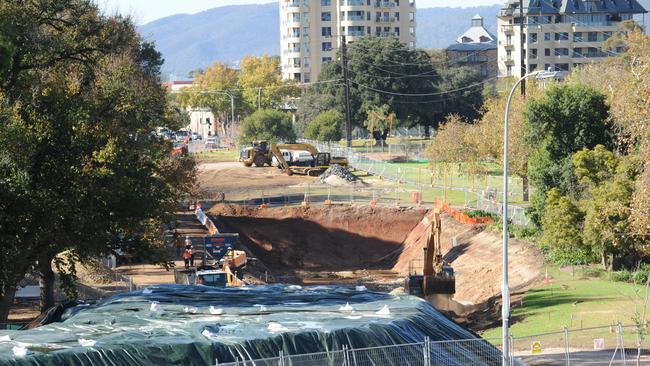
[
  {"x": 609, "y": 345},
  {"x": 444, "y": 353}
]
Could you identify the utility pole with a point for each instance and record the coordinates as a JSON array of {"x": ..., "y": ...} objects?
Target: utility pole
[
  {"x": 346, "y": 81},
  {"x": 522, "y": 37},
  {"x": 259, "y": 98}
]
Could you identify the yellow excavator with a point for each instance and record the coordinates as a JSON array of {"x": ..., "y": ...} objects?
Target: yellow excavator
[
  {"x": 261, "y": 153},
  {"x": 437, "y": 275}
]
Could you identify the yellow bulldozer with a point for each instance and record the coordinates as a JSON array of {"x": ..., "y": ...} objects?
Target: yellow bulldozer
[{"x": 285, "y": 156}]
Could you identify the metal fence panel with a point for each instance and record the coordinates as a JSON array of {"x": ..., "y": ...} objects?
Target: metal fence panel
[{"x": 401, "y": 355}]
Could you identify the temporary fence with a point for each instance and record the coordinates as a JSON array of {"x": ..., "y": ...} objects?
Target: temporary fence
[
  {"x": 476, "y": 351},
  {"x": 608, "y": 345},
  {"x": 478, "y": 192}
]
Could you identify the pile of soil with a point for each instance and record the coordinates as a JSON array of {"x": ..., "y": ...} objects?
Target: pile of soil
[
  {"x": 476, "y": 258},
  {"x": 320, "y": 238}
]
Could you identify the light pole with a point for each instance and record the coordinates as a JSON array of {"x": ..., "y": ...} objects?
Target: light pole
[{"x": 505, "y": 290}]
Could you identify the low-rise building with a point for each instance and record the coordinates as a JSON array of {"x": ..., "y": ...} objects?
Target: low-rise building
[{"x": 476, "y": 48}]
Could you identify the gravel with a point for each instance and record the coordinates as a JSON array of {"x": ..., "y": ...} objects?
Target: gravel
[{"x": 339, "y": 171}]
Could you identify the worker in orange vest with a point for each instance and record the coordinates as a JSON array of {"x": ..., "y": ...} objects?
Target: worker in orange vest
[{"x": 188, "y": 254}]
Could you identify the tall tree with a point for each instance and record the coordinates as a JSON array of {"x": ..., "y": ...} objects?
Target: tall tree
[
  {"x": 384, "y": 71},
  {"x": 261, "y": 79},
  {"x": 564, "y": 120},
  {"x": 326, "y": 126},
  {"x": 83, "y": 172},
  {"x": 269, "y": 125}
]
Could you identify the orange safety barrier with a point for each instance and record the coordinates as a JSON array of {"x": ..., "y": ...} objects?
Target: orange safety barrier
[{"x": 461, "y": 216}]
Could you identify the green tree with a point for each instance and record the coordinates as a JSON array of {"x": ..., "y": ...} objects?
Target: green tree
[
  {"x": 379, "y": 122},
  {"x": 310, "y": 105},
  {"x": 81, "y": 171},
  {"x": 382, "y": 70},
  {"x": 562, "y": 231},
  {"x": 326, "y": 126},
  {"x": 266, "y": 124},
  {"x": 564, "y": 120},
  {"x": 261, "y": 78},
  {"x": 463, "y": 88}
]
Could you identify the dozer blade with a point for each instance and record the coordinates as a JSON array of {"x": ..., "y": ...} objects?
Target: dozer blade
[{"x": 439, "y": 285}]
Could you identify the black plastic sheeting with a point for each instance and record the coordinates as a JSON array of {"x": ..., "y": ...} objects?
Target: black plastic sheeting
[{"x": 197, "y": 325}]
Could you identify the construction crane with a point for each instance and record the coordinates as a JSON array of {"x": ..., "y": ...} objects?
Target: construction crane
[{"x": 437, "y": 275}]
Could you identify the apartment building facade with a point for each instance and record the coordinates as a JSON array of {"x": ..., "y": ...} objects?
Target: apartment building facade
[
  {"x": 311, "y": 30},
  {"x": 558, "y": 34}
]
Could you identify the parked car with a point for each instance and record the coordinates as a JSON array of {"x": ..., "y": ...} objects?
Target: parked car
[
  {"x": 196, "y": 136},
  {"x": 180, "y": 148},
  {"x": 211, "y": 142}
]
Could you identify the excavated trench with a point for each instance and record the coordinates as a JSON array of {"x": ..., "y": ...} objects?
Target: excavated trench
[{"x": 375, "y": 246}]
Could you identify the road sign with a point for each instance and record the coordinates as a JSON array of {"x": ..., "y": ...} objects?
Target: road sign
[{"x": 536, "y": 347}]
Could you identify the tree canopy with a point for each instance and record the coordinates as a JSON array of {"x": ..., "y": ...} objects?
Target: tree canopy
[
  {"x": 81, "y": 171},
  {"x": 267, "y": 124},
  {"x": 326, "y": 126}
]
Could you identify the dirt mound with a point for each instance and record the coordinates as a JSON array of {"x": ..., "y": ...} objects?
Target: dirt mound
[
  {"x": 337, "y": 175},
  {"x": 319, "y": 238},
  {"x": 476, "y": 258}
]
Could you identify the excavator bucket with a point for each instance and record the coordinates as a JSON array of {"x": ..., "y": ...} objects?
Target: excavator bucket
[{"x": 444, "y": 283}]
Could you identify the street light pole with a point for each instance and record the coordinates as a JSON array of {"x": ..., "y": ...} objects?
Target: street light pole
[{"x": 505, "y": 289}]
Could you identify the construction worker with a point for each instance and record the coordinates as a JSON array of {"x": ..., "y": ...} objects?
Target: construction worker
[{"x": 189, "y": 249}]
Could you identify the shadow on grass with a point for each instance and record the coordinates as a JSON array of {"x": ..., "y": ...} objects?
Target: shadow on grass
[{"x": 536, "y": 299}]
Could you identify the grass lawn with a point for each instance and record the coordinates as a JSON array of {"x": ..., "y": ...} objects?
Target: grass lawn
[
  {"x": 217, "y": 156},
  {"x": 576, "y": 302}
]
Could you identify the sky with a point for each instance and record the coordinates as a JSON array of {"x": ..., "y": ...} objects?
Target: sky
[{"x": 145, "y": 11}]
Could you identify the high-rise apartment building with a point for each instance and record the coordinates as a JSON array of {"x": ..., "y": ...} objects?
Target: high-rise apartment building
[
  {"x": 558, "y": 34},
  {"x": 311, "y": 30}
]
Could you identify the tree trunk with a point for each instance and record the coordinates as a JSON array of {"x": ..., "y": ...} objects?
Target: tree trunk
[
  {"x": 6, "y": 299},
  {"x": 46, "y": 282},
  {"x": 427, "y": 132},
  {"x": 524, "y": 181}
]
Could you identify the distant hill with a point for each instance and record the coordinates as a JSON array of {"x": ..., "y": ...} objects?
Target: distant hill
[{"x": 191, "y": 41}]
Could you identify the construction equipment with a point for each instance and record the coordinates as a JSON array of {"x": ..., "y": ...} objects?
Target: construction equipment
[
  {"x": 220, "y": 266},
  {"x": 262, "y": 153},
  {"x": 437, "y": 275}
]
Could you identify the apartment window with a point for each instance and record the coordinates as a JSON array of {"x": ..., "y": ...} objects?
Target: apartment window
[
  {"x": 325, "y": 2},
  {"x": 355, "y": 31},
  {"x": 377, "y": 31},
  {"x": 509, "y": 70},
  {"x": 548, "y": 67},
  {"x": 397, "y": 31},
  {"x": 369, "y": 31},
  {"x": 368, "y": 16},
  {"x": 547, "y": 36},
  {"x": 484, "y": 70},
  {"x": 305, "y": 17},
  {"x": 305, "y": 61},
  {"x": 295, "y": 32},
  {"x": 326, "y": 16},
  {"x": 296, "y": 62},
  {"x": 533, "y": 53},
  {"x": 547, "y": 51},
  {"x": 305, "y": 32},
  {"x": 562, "y": 36},
  {"x": 562, "y": 67},
  {"x": 577, "y": 37},
  {"x": 561, "y": 52},
  {"x": 296, "y": 76},
  {"x": 397, "y": 17},
  {"x": 355, "y": 15},
  {"x": 326, "y": 59},
  {"x": 411, "y": 17},
  {"x": 326, "y": 31},
  {"x": 411, "y": 30},
  {"x": 295, "y": 17},
  {"x": 327, "y": 46},
  {"x": 592, "y": 37},
  {"x": 412, "y": 44},
  {"x": 509, "y": 54},
  {"x": 532, "y": 67},
  {"x": 305, "y": 47},
  {"x": 532, "y": 38},
  {"x": 307, "y": 77},
  {"x": 508, "y": 40},
  {"x": 607, "y": 35}
]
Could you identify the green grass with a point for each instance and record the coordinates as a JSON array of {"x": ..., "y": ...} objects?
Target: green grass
[
  {"x": 217, "y": 156},
  {"x": 574, "y": 301}
]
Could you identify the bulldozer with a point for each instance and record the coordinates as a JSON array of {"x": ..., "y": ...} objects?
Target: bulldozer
[
  {"x": 437, "y": 275},
  {"x": 261, "y": 153}
]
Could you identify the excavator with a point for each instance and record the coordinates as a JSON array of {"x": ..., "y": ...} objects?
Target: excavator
[
  {"x": 437, "y": 275},
  {"x": 262, "y": 153}
]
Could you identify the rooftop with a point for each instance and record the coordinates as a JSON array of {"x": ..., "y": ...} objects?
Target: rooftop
[{"x": 511, "y": 7}]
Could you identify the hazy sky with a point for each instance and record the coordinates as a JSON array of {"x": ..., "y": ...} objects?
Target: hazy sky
[{"x": 147, "y": 10}]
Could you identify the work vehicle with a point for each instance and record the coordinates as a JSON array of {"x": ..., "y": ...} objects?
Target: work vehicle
[
  {"x": 211, "y": 142},
  {"x": 195, "y": 136},
  {"x": 437, "y": 275},
  {"x": 220, "y": 265},
  {"x": 262, "y": 153}
]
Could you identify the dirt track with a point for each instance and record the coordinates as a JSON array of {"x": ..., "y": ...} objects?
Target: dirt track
[{"x": 237, "y": 181}]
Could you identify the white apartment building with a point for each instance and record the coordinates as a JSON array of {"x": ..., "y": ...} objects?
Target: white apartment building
[
  {"x": 311, "y": 30},
  {"x": 558, "y": 34}
]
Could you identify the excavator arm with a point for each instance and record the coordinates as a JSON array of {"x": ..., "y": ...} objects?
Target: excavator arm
[{"x": 282, "y": 163}]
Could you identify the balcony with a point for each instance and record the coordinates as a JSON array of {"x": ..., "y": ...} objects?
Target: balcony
[
  {"x": 385, "y": 4},
  {"x": 356, "y": 33},
  {"x": 355, "y": 17},
  {"x": 388, "y": 34},
  {"x": 385, "y": 19},
  {"x": 509, "y": 45},
  {"x": 507, "y": 59},
  {"x": 355, "y": 3}
]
